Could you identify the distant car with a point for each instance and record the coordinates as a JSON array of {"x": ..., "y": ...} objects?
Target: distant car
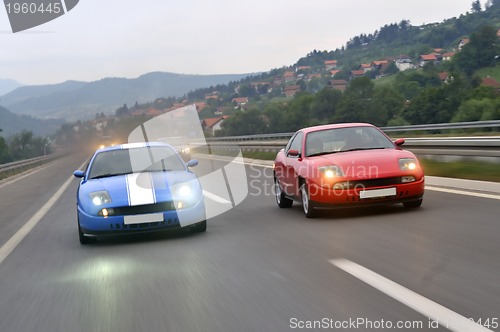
[
  {"x": 138, "y": 187},
  {"x": 346, "y": 165},
  {"x": 180, "y": 145}
]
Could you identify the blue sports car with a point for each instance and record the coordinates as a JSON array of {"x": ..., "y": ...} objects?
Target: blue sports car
[{"x": 138, "y": 187}]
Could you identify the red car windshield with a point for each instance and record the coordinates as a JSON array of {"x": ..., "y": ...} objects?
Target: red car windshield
[{"x": 345, "y": 139}]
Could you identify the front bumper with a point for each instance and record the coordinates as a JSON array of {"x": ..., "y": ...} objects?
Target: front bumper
[
  {"x": 325, "y": 196},
  {"x": 97, "y": 225}
]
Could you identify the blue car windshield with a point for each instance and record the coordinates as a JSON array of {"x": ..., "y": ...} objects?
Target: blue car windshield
[{"x": 135, "y": 160}]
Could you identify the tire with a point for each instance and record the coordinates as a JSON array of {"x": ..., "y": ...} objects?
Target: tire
[
  {"x": 281, "y": 199},
  {"x": 199, "y": 227},
  {"x": 413, "y": 204},
  {"x": 307, "y": 204}
]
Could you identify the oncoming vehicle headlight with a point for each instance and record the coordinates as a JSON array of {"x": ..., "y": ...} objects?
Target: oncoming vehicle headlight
[
  {"x": 331, "y": 172},
  {"x": 185, "y": 150},
  {"x": 100, "y": 197},
  {"x": 407, "y": 164}
]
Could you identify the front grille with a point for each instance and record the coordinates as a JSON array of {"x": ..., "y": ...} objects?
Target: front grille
[
  {"x": 375, "y": 182},
  {"x": 143, "y": 209},
  {"x": 166, "y": 224}
]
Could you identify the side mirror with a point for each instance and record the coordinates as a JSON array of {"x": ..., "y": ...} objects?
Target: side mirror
[
  {"x": 192, "y": 163},
  {"x": 399, "y": 141},
  {"x": 78, "y": 174},
  {"x": 293, "y": 153}
]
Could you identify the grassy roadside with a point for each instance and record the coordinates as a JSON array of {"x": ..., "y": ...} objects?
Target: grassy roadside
[{"x": 472, "y": 170}]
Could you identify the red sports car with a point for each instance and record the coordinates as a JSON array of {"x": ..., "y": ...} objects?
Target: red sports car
[{"x": 346, "y": 165}]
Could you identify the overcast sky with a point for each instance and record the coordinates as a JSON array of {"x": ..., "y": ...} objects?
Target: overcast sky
[{"x": 120, "y": 38}]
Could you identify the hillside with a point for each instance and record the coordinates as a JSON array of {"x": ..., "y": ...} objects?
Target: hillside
[
  {"x": 74, "y": 100},
  {"x": 11, "y": 124},
  {"x": 8, "y": 85}
]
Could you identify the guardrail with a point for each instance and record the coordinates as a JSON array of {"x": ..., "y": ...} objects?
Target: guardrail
[
  {"x": 446, "y": 148},
  {"x": 16, "y": 167},
  {"x": 425, "y": 127}
]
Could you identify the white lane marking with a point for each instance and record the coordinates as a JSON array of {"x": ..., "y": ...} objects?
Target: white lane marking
[
  {"x": 215, "y": 198},
  {"x": 14, "y": 241},
  {"x": 444, "y": 316},
  {"x": 462, "y": 192}
]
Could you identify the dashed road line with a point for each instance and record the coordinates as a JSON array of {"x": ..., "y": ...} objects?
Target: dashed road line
[{"x": 444, "y": 316}]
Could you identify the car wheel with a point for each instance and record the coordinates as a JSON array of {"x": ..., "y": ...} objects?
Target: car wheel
[
  {"x": 281, "y": 199},
  {"x": 199, "y": 227},
  {"x": 412, "y": 204},
  {"x": 307, "y": 204}
]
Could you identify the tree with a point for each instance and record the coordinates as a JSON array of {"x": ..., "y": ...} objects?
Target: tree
[
  {"x": 476, "y": 6},
  {"x": 431, "y": 106},
  {"x": 479, "y": 52},
  {"x": 122, "y": 111},
  {"x": 4, "y": 151},
  {"x": 386, "y": 103},
  {"x": 324, "y": 105}
]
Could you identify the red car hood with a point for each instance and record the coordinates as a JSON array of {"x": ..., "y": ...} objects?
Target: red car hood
[{"x": 365, "y": 164}]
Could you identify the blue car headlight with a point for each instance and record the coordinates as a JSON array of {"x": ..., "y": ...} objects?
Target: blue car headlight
[
  {"x": 100, "y": 197},
  {"x": 186, "y": 194}
]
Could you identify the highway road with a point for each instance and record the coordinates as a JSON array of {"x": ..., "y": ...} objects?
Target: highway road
[{"x": 257, "y": 268}]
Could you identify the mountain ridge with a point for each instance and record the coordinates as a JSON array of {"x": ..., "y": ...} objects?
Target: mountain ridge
[{"x": 77, "y": 100}]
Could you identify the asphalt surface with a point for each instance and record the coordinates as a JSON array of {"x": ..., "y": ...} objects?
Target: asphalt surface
[{"x": 257, "y": 268}]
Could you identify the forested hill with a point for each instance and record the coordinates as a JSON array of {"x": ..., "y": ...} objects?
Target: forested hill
[{"x": 403, "y": 38}]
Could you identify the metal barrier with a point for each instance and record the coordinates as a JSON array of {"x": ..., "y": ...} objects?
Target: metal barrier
[
  {"x": 446, "y": 148},
  {"x": 10, "y": 169},
  {"x": 425, "y": 127}
]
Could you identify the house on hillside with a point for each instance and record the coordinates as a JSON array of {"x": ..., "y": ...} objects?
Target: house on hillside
[
  {"x": 403, "y": 62},
  {"x": 337, "y": 84},
  {"x": 212, "y": 95},
  {"x": 379, "y": 66},
  {"x": 291, "y": 90},
  {"x": 303, "y": 69},
  {"x": 445, "y": 77},
  {"x": 334, "y": 72},
  {"x": 365, "y": 67},
  {"x": 490, "y": 81},
  {"x": 311, "y": 76},
  {"x": 239, "y": 102},
  {"x": 426, "y": 58},
  {"x": 462, "y": 43},
  {"x": 356, "y": 73},
  {"x": 448, "y": 56},
  {"x": 200, "y": 106},
  {"x": 330, "y": 64},
  {"x": 213, "y": 125},
  {"x": 289, "y": 76}
]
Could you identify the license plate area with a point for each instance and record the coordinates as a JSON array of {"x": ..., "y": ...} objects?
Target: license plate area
[
  {"x": 142, "y": 218},
  {"x": 377, "y": 193}
]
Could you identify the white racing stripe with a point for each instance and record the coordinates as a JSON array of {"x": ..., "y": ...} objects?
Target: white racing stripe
[
  {"x": 444, "y": 316},
  {"x": 14, "y": 241},
  {"x": 140, "y": 189}
]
